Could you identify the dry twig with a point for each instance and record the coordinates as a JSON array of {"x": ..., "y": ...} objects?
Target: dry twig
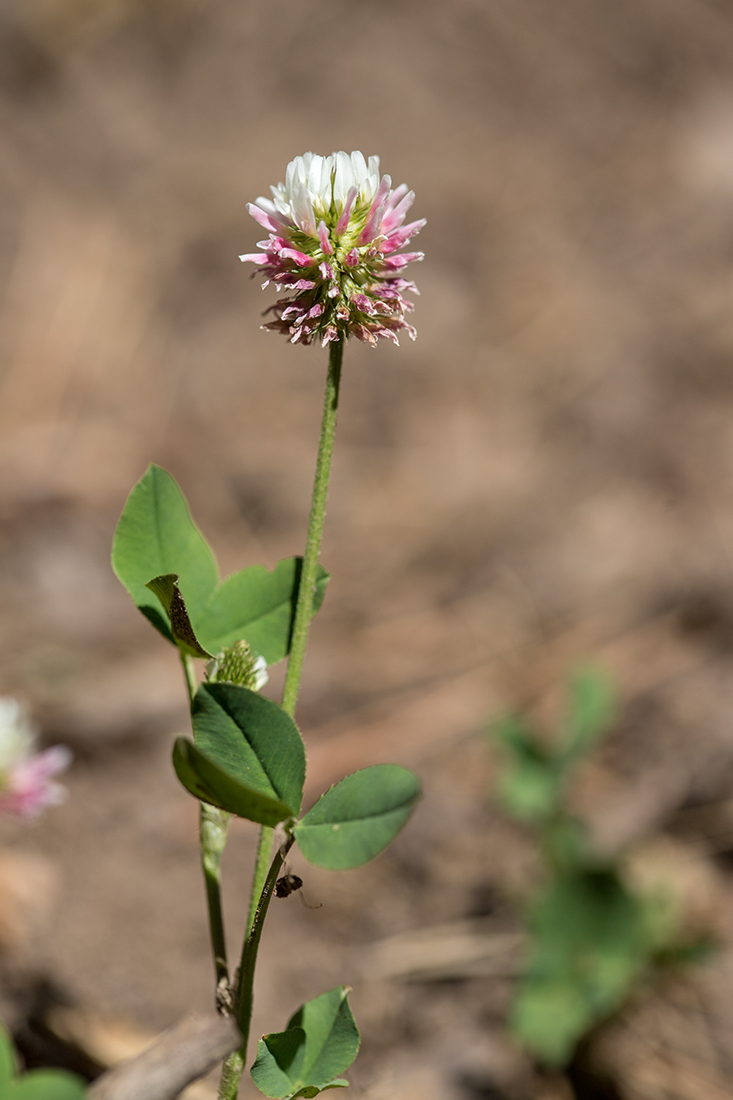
[{"x": 181, "y": 1055}]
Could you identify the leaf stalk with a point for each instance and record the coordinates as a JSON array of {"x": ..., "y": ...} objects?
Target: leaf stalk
[{"x": 213, "y": 831}]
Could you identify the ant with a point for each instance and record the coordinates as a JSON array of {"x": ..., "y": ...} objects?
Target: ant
[{"x": 288, "y": 883}]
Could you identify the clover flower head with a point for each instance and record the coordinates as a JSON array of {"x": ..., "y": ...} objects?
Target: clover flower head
[
  {"x": 26, "y": 777},
  {"x": 335, "y": 230}
]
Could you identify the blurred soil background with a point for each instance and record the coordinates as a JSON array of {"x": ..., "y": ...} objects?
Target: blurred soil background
[{"x": 545, "y": 477}]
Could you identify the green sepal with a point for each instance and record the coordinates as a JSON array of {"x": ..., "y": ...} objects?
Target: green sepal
[
  {"x": 319, "y": 1043},
  {"x": 169, "y": 594},
  {"x": 204, "y": 779},
  {"x": 156, "y": 536},
  {"x": 257, "y": 604},
  {"x": 252, "y": 740},
  {"x": 357, "y": 818}
]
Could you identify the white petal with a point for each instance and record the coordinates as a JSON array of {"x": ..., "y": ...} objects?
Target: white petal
[
  {"x": 360, "y": 169},
  {"x": 344, "y": 179},
  {"x": 315, "y": 172},
  {"x": 302, "y": 207}
]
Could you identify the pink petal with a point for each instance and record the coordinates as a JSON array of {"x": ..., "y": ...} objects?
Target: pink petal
[
  {"x": 323, "y": 237},
  {"x": 399, "y": 237},
  {"x": 299, "y": 257},
  {"x": 265, "y": 220},
  {"x": 396, "y": 196},
  {"x": 376, "y": 211},
  {"x": 394, "y": 263},
  {"x": 396, "y": 215},
  {"x": 346, "y": 213}
]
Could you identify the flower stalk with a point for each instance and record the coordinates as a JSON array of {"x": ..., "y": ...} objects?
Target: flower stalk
[
  {"x": 306, "y": 588},
  {"x": 264, "y": 881}
]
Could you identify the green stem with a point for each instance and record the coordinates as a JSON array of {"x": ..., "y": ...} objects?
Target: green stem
[
  {"x": 213, "y": 835},
  {"x": 263, "y": 883},
  {"x": 235, "y": 1063},
  {"x": 306, "y": 588},
  {"x": 213, "y": 830},
  {"x": 262, "y": 862},
  {"x": 189, "y": 671}
]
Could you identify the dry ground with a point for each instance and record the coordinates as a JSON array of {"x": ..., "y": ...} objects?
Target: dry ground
[{"x": 545, "y": 476}]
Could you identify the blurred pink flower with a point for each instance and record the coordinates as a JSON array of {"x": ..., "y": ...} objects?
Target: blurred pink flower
[
  {"x": 335, "y": 230},
  {"x": 26, "y": 777}
]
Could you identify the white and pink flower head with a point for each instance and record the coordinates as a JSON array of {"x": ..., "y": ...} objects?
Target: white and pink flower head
[
  {"x": 27, "y": 777},
  {"x": 335, "y": 230}
]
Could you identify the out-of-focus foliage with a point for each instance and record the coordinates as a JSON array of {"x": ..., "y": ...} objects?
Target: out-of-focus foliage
[
  {"x": 591, "y": 938},
  {"x": 533, "y": 778},
  {"x": 39, "y": 1084}
]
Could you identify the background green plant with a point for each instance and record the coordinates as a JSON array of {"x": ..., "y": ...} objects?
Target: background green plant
[
  {"x": 39, "y": 1084},
  {"x": 592, "y": 939}
]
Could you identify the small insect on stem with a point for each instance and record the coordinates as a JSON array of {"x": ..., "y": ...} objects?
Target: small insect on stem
[{"x": 287, "y": 885}]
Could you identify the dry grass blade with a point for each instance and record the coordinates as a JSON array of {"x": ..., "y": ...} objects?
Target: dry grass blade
[{"x": 462, "y": 949}]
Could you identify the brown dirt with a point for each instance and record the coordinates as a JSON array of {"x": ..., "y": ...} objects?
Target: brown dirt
[{"x": 545, "y": 476}]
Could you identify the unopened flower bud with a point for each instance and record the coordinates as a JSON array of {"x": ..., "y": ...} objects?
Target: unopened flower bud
[{"x": 238, "y": 665}]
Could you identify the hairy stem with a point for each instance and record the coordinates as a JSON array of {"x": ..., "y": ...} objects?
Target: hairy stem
[
  {"x": 264, "y": 881},
  {"x": 213, "y": 830},
  {"x": 306, "y": 589}
]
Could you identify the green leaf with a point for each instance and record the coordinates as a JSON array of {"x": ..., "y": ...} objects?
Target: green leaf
[
  {"x": 258, "y": 605},
  {"x": 46, "y": 1084},
  {"x": 529, "y": 782},
  {"x": 590, "y": 712},
  {"x": 548, "y": 1019},
  {"x": 320, "y": 1042},
  {"x": 355, "y": 820},
  {"x": 169, "y": 594},
  {"x": 589, "y": 945},
  {"x": 210, "y": 783},
  {"x": 156, "y": 536},
  {"x": 253, "y": 740},
  {"x": 7, "y": 1057}
]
